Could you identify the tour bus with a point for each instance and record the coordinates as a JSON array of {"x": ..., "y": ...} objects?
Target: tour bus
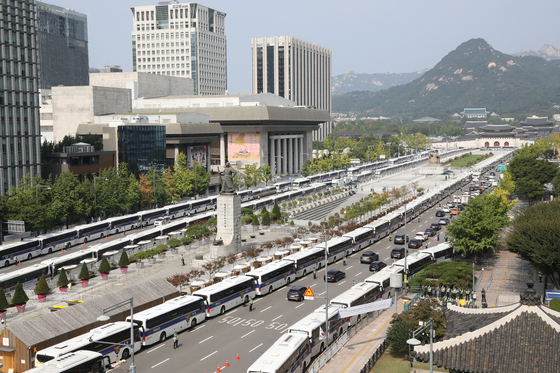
[
  {"x": 290, "y": 353},
  {"x": 260, "y": 203},
  {"x": 307, "y": 260},
  {"x": 415, "y": 262},
  {"x": 301, "y": 183},
  {"x": 58, "y": 241},
  {"x": 383, "y": 279},
  {"x": 204, "y": 204},
  {"x": 245, "y": 195},
  {"x": 338, "y": 248},
  {"x": 93, "y": 231},
  {"x": 111, "y": 247},
  {"x": 263, "y": 192},
  {"x": 361, "y": 238},
  {"x": 114, "y": 334},
  {"x": 23, "y": 250},
  {"x": 440, "y": 252},
  {"x": 381, "y": 228},
  {"x": 313, "y": 326},
  {"x": 394, "y": 219},
  {"x": 28, "y": 275},
  {"x": 227, "y": 294},
  {"x": 283, "y": 186},
  {"x": 359, "y": 294},
  {"x": 273, "y": 276},
  {"x": 124, "y": 223},
  {"x": 76, "y": 362},
  {"x": 179, "y": 210},
  {"x": 149, "y": 217},
  {"x": 164, "y": 320}
]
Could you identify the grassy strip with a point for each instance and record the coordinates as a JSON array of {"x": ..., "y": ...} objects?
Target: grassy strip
[{"x": 390, "y": 363}]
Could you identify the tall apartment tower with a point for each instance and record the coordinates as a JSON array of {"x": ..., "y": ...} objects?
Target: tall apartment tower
[
  {"x": 63, "y": 46},
  {"x": 294, "y": 69},
  {"x": 19, "y": 94},
  {"x": 186, "y": 40}
]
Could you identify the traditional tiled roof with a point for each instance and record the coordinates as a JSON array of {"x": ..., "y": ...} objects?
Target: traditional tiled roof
[
  {"x": 519, "y": 338},
  {"x": 538, "y": 121},
  {"x": 497, "y": 127},
  {"x": 475, "y": 124},
  {"x": 475, "y": 111},
  {"x": 456, "y": 115}
]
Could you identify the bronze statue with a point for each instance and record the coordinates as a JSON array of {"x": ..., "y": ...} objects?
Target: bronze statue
[
  {"x": 434, "y": 158},
  {"x": 227, "y": 179}
]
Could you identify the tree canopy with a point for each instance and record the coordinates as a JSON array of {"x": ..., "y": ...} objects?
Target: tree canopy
[{"x": 530, "y": 174}]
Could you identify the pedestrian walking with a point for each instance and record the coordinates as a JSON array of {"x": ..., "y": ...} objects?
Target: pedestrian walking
[
  {"x": 183, "y": 258},
  {"x": 251, "y": 305},
  {"x": 445, "y": 238},
  {"x": 175, "y": 341},
  {"x": 438, "y": 236},
  {"x": 353, "y": 282},
  {"x": 344, "y": 261},
  {"x": 314, "y": 273},
  {"x": 426, "y": 244},
  {"x": 540, "y": 276},
  {"x": 483, "y": 296},
  {"x": 16, "y": 260}
]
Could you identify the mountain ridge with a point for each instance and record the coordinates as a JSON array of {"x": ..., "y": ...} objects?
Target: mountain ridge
[
  {"x": 547, "y": 51},
  {"x": 352, "y": 81}
]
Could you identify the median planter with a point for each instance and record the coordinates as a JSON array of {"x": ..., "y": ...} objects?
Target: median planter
[
  {"x": 20, "y": 308},
  {"x": 42, "y": 289},
  {"x": 63, "y": 289},
  {"x": 104, "y": 276},
  {"x": 124, "y": 270},
  {"x": 20, "y": 298},
  {"x": 42, "y": 297},
  {"x": 84, "y": 283},
  {"x": 124, "y": 262},
  {"x": 104, "y": 268}
]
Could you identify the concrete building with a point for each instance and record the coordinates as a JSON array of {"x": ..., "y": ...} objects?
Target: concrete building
[
  {"x": 19, "y": 94},
  {"x": 475, "y": 113},
  {"x": 82, "y": 159},
  {"x": 295, "y": 69},
  {"x": 46, "y": 115},
  {"x": 63, "y": 46},
  {"x": 182, "y": 40}
]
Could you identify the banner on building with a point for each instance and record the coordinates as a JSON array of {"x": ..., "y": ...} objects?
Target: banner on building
[{"x": 243, "y": 146}]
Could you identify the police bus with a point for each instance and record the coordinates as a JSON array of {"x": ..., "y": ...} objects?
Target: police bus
[
  {"x": 23, "y": 250},
  {"x": 290, "y": 353},
  {"x": 273, "y": 276},
  {"x": 76, "y": 362},
  {"x": 338, "y": 248},
  {"x": 307, "y": 260},
  {"x": 164, "y": 320},
  {"x": 227, "y": 294},
  {"x": 361, "y": 293},
  {"x": 383, "y": 279},
  {"x": 361, "y": 238}
]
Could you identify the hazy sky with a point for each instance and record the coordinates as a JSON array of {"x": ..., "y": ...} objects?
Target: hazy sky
[{"x": 366, "y": 36}]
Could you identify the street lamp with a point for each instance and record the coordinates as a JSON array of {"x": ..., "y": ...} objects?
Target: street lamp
[
  {"x": 95, "y": 191},
  {"x": 415, "y": 342},
  {"x": 103, "y": 317},
  {"x": 37, "y": 192},
  {"x": 325, "y": 237}
]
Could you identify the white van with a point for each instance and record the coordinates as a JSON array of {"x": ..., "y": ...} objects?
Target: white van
[{"x": 162, "y": 221}]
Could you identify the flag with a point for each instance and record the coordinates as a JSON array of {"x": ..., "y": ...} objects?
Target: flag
[{"x": 321, "y": 334}]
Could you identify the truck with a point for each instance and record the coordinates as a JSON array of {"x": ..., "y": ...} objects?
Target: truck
[{"x": 465, "y": 199}]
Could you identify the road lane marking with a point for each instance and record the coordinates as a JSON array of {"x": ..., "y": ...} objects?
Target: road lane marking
[
  {"x": 266, "y": 309},
  {"x": 229, "y": 313},
  {"x": 277, "y": 318},
  {"x": 252, "y": 331},
  {"x": 341, "y": 282},
  {"x": 160, "y": 363},
  {"x": 153, "y": 349},
  {"x": 204, "y": 358},
  {"x": 312, "y": 285},
  {"x": 388, "y": 247},
  {"x": 358, "y": 274},
  {"x": 387, "y": 258},
  {"x": 256, "y": 300},
  {"x": 255, "y": 348},
  {"x": 300, "y": 305},
  {"x": 200, "y": 327},
  {"x": 349, "y": 267},
  {"x": 206, "y": 339}
]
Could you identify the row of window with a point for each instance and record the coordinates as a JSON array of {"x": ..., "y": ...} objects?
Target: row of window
[
  {"x": 163, "y": 52},
  {"x": 183, "y": 35}
]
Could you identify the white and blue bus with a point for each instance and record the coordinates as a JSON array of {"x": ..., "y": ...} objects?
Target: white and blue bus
[
  {"x": 338, "y": 248},
  {"x": 76, "y": 362},
  {"x": 164, "y": 320},
  {"x": 283, "y": 186},
  {"x": 124, "y": 223},
  {"x": 227, "y": 294},
  {"x": 27, "y": 276},
  {"x": 361, "y": 238},
  {"x": 359, "y": 294},
  {"x": 383, "y": 279},
  {"x": 415, "y": 262},
  {"x": 290, "y": 353},
  {"x": 264, "y": 192},
  {"x": 58, "y": 241},
  {"x": 245, "y": 195},
  {"x": 301, "y": 183},
  {"x": 307, "y": 260},
  {"x": 201, "y": 205},
  {"x": 272, "y": 276},
  {"x": 179, "y": 209},
  {"x": 93, "y": 231},
  {"x": 23, "y": 250},
  {"x": 440, "y": 252},
  {"x": 381, "y": 228},
  {"x": 115, "y": 335}
]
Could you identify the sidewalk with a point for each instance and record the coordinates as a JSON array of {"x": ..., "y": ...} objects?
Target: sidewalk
[{"x": 355, "y": 354}]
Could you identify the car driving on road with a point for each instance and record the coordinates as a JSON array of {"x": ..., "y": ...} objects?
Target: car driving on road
[
  {"x": 334, "y": 275},
  {"x": 368, "y": 257},
  {"x": 377, "y": 266},
  {"x": 296, "y": 293},
  {"x": 397, "y": 253},
  {"x": 414, "y": 244}
]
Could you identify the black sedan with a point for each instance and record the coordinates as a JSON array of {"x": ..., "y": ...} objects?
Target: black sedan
[
  {"x": 430, "y": 232},
  {"x": 398, "y": 252},
  {"x": 296, "y": 293},
  {"x": 377, "y": 266},
  {"x": 435, "y": 226},
  {"x": 399, "y": 238},
  {"x": 440, "y": 213},
  {"x": 414, "y": 244},
  {"x": 368, "y": 257},
  {"x": 334, "y": 275}
]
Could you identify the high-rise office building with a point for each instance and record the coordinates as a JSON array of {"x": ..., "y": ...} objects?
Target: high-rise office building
[
  {"x": 19, "y": 93},
  {"x": 63, "y": 46},
  {"x": 185, "y": 40},
  {"x": 294, "y": 69}
]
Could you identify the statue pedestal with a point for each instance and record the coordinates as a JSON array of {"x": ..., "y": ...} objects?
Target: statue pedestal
[
  {"x": 228, "y": 236},
  {"x": 432, "y": 169}
]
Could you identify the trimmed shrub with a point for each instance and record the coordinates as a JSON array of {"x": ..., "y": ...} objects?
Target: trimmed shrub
[
  {"x": 62, "y": 281},
  {"x": 187, "y": 240},
  {"x": 255, "y": 220},
  {"x": 147, "y": 253},
  {"x": 247, "y": 220},
  {"x": 173, "y": 243},
  {"x": 104, "y": 267},
  {"x": 3, "y": 301},
  {"x": 276, "y": 214},
  {"x": 42, "y": 287},
  {"x": 123, "y": 261},
  {"x": 162, "y": 247},
  {"x": 19, "y": 295},
  {"x": 84, "y": 272},
  {"x": 264, "y": 210},
  {"x": 266, "y": 218}
]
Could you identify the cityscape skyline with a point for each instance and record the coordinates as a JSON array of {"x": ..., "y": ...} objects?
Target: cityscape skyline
[{"x": 405, "y": 29}]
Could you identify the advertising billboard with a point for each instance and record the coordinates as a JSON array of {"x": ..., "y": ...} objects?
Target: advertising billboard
[
  {"x": 243, "y": 146},
  {"x": 197, "y": 154}
]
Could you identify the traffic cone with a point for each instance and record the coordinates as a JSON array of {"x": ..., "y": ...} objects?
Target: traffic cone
[
  {"x": 227, "y": 363},
  {"x": 61, "y": 250},
  {"x": 19, "y": 263},
  {"x": 84, "y": 243},
  {"x": 106, "y": 238},
  {"x": 218, "y": 371},
  {"x": 237, "y": 358}
]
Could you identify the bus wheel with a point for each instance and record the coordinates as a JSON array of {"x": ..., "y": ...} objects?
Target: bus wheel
[
  {"x": 304, "y": 366},
  {"x": 7, "y": 263},
  {"x": 193, "y": 323},
  {"x": 289, "y": 280},
  {"x": 29, "y": 257},
  {"x": 50, "y": 250},
  {"x": 85, "y": 240},
  {"x": 305, "y": 272},
  {"x": 322, "y": 348},
  {"x": 222, "y": 310},
  {"x": 270, "y": 290},
  {"x": 246, "y": 300},
  {"x": 340, "y": 333},
  {"x": 162, "y": 337},
  {"x": 359, "y": 319},
  {"x": 125, "y": 354}
]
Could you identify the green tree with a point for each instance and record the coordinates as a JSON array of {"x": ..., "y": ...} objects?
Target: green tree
[
  {"x": 104, "y": 267},
  {"x": 305, "y": 170},
  {"x": 477, "y": 228},
  {"x": 70, "y": 200},
  {"x": 252, "y": 175},
  {"x": 3, "y": 301},
  {"x": 123, "y": 260},
  {"x": 19, "y": 295},
  {"x": 42, "y": 287},
  {"x": 23, "y": 204},
  {"x": 506, "y": 183},
  {"x": 397, "y": 335},
  {"x": 202, "y": 178},
  {"x": 266, "y": 173},
  {"x": 535, "y": 236},
  {"x": 62, "y": 281},
  {"x": 276, "y": 213},
  {"x": 146, "y": 190},
  {"x": 84, "y": 272},
  {"x": 530, "y": 174},
  {"x": 169, "y": 194},
  {"x": 266, "y": 218},
  {"x": 255, "y": 221},
  {"x": 181, "y": 176}
]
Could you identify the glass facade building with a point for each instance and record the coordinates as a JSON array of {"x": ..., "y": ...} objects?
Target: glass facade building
[
  {"x": 185, "y": 40},
  {"x": 19, "y": 93},
  {"x": 63, "y": 46},
  {"x": 141, "y": 147}
]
